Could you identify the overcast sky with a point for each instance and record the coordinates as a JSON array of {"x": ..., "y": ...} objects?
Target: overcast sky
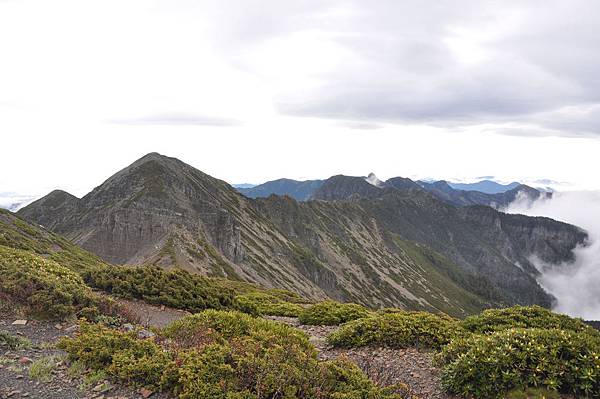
[{"x": 249, "y": 91}]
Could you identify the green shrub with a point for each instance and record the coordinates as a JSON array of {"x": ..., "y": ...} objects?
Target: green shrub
[
  {"x": 120, "y": 354},
  {"x": 523, "y": 317},
  {"x": 45, "y": 287},
  {"x": 532, "y": 393},
  {"x": 396, "y": 330},
  {"x": 222, "y": 355},
  {"x": 262, "y": 303},
  {"x": 9, "y": 341},
  {"x": 492, "y": 364},
  {"x": 174, "y": 288},
  {"x": 331, "y": 313}
]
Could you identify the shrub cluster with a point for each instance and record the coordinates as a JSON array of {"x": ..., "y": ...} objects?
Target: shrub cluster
[
  {"x": 487, "y": 365},
  {"x": 222, "y": 355},
  {"x": 47, "y": 288},
  {"x": 331, "y": 313},
  {"x": 396, "y": 330},
  {"x": 175, "y": 288},
  {"x": 491, "y": 320},
  {"x": 262, "y": 303}
]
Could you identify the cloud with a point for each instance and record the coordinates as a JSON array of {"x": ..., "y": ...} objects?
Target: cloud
[
  {"x": 178, "y": 119},
  {"x": 448, "y": 64},
  {"x": 14, "y": 201},
  {"x": 575, "y": 285}
]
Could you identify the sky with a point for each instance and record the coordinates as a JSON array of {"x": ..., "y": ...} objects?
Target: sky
[{"x": 250, "y": 91}]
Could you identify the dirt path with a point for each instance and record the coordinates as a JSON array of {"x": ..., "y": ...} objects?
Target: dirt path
[{"x": 385, "y": 366}]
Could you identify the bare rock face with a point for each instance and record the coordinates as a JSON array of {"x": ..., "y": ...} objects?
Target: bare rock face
[{"x": 380, "y": 245}]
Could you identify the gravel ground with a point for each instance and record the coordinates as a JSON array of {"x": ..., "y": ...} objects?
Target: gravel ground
[
  {"x": 15, "y": 381},
  {"x": 385, "y": 366}
]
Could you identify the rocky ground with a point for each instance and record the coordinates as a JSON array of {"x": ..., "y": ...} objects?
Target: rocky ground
[
  {"x": 410, "y": 367},
  {"x": 385, "y": 366},
  {"x": 52, "y": 377}
]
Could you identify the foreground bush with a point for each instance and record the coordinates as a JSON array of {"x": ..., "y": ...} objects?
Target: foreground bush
[
  {"x": 490, "y": 365},
  {"x": 331, "y": 313},
  {"x": 396, "y": 330},
  {"x": 262, "y": 303},
  {"x": 47, "y": 289},
  {"x": 222, "y": 355},
  {"x": 523, "y": 317}
]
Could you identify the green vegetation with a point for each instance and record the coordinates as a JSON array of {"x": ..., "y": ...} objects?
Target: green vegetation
[
  {"x": 331, "y": 313},
  {"x": 9, "y": 341},
  {"x": 532, "y": 393},
  {"x": 42, "y": 368},
  {"x": 396, "y": 330},
  {"x": 175, "y": 288},
  {"x": 488, "y": 365},
  {"x": 522, "y": 317},
  {"x": 261, "y": 303},
  {"x": 222, "y": 355},
  {"x": 46, "y": 287}
]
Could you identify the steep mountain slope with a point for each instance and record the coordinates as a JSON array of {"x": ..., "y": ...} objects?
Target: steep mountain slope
[
  {"x": 298, "y": 190},
  {"x": 359, "y": 242}
]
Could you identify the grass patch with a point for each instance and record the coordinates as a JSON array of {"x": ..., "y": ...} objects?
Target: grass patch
[
  {"x": 42, "y": 369},
  {"x": 9, "y": 341}
]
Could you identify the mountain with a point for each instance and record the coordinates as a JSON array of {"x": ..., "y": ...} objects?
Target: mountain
[
  {"x": 495, "y": 195},
  {"x": 373, "y": 244},
  {"x": 243, "y": 185},
  {"x": 485, "y": 186},
  {"x": 299, "y": 190},
  {"x": 445, "y": 192}
]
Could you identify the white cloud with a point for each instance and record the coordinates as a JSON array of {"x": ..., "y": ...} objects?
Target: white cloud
[
  {"x": 256, "y": 90},
  {"x": 575, "y": 285}
]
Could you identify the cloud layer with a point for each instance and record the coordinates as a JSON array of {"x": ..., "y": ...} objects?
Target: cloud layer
[
  {"x": 576, "y": 285},
  {"x": 446, "y": 63}
]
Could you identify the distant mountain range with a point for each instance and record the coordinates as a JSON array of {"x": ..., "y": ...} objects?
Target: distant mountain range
[
  {"x": 392, "y": 243},
  {"x": 485, "y": 192},
  {"x": 485, "y": 186}
]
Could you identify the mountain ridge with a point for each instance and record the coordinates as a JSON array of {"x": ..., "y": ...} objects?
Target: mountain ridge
[{"x": 346, "y": 244}]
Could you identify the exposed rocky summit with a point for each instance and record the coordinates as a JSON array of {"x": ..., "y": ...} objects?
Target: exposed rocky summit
[{"x": 392, "y": 244}]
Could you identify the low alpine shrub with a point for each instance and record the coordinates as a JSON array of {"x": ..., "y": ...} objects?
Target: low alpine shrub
[
  {"x": 175, "y": 288},
  {"x": 47, "y": 288},
  {"x": 260, "y": 303},
  {"x": 396, "y": 330},
  {"x": 222, "y": 355},
  {"x": 491, "y": 320},
  {"x": 331, "y": 313},
  {"x": 489, "y": 365}
]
